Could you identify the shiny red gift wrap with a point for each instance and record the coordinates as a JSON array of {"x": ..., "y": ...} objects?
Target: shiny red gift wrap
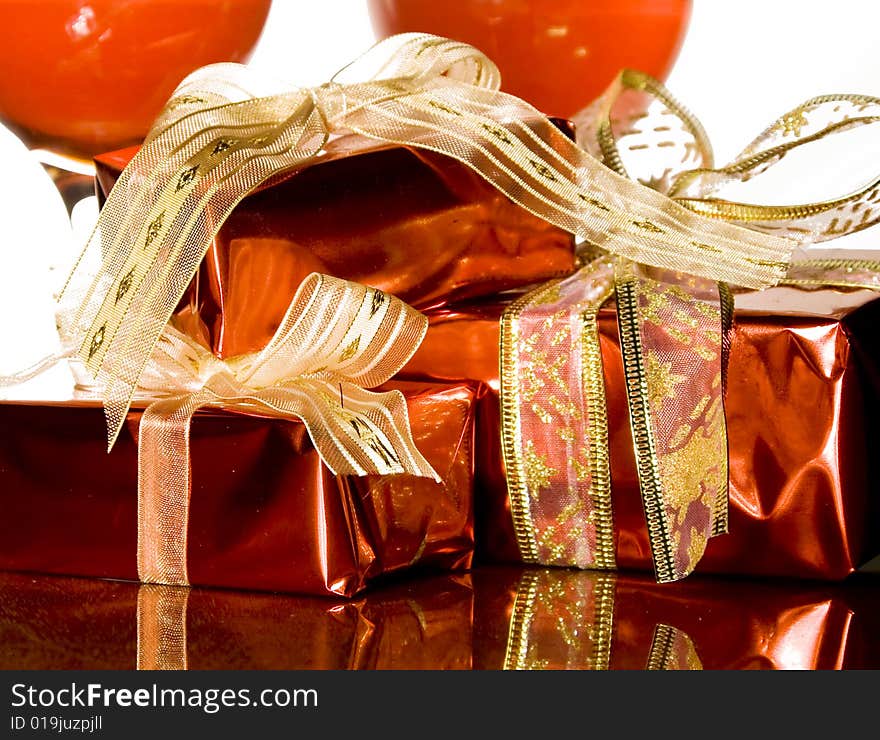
[
  {"x": 416, "y": 224},
  {"x": 265, "y": 513},
  {"x": 803, "y": 389}
]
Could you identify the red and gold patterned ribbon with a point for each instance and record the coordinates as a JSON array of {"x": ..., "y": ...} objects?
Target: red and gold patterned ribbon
[
  {"x": 555, "y": 431},
  {"x": 336, "y": 337},
  {"x": 673, "y": 331}
]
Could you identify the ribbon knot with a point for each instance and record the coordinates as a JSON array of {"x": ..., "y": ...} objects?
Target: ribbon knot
[{"x": 336, "y": 337}]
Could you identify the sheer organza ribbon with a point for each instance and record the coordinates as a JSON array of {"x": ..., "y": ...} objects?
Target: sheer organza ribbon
[
  {"x": 674, "y": 329},
  {"x": 336, "y": 338}
]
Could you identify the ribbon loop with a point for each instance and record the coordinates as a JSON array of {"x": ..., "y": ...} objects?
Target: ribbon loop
[
  {"x": 335, "y": 338},
  {"x": 640, "y": 130}
]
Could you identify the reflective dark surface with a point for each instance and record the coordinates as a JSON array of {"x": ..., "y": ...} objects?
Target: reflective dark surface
[{"x": 492, "y": 618}]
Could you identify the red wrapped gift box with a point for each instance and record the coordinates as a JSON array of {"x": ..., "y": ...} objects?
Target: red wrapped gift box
[
  {"x": 803, "y": 387},
  {"x": 265, "y": 513},
  {"x": 413, "y": 223}
]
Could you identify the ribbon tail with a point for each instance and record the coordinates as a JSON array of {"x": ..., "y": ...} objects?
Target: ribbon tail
[
  {"x": 164, "y": 485},
  {"x": 663, "y": 138},
  {"x": 555, "y": 427},
  {"x": 671, "y": 335}
]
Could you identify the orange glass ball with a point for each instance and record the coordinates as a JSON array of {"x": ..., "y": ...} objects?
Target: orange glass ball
[
  {"x": 558, "y": 55},
  {"x": 86, "y": 76}
]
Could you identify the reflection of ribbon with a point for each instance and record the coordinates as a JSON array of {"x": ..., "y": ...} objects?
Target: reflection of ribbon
[
  {"x": 565, "y": 620},
  {"x": 216, "y": 141},
  {"x": 336, "y": 338},
  {"x": 674, "y": 335},
  {"x": 161, "y": 627}
]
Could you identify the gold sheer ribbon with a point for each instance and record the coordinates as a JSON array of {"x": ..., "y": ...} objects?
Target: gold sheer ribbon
[
  {"x": 219, "y": 138},
  {"x": 674, "y": 334},
  {"x": 336, "y": 338}
]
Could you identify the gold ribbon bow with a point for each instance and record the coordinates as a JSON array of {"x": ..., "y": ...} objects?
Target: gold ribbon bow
[
  {"x": 336, "y": 337},
  {"x": 674, "y": 334},
  {"x": 217, "y": 140}
]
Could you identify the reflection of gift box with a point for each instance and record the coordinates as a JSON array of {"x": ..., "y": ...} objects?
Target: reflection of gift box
[
  {"x": 803, "y": 384},
  {"x": 413, "y": 223},
  {"x": 66, "y": 623},
  {"x": 563, "y": 619},
  {"x": 264, "y": 511}
]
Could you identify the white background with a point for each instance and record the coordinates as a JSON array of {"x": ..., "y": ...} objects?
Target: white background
[{"x": 743, "y": 63}]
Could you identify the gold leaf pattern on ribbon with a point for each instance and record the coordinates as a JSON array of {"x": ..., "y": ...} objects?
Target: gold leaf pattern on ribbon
[
  {"x": 670, "y": 328},
  {"x": 555, "y": 440},
  {"x": 538, "y": 472},
  {"x": 661, "y": 379}
]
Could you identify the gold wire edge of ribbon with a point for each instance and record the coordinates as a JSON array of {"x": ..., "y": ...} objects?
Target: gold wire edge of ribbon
[
  {"x": 605, "y": 589},
  {"x": 600, "y": 458},
  {"x": 721, "y": 508},
  {"x": 647, "y": 460},
  {"x": 521, "y": 616},
  {"x": 511, "y": 428}
]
